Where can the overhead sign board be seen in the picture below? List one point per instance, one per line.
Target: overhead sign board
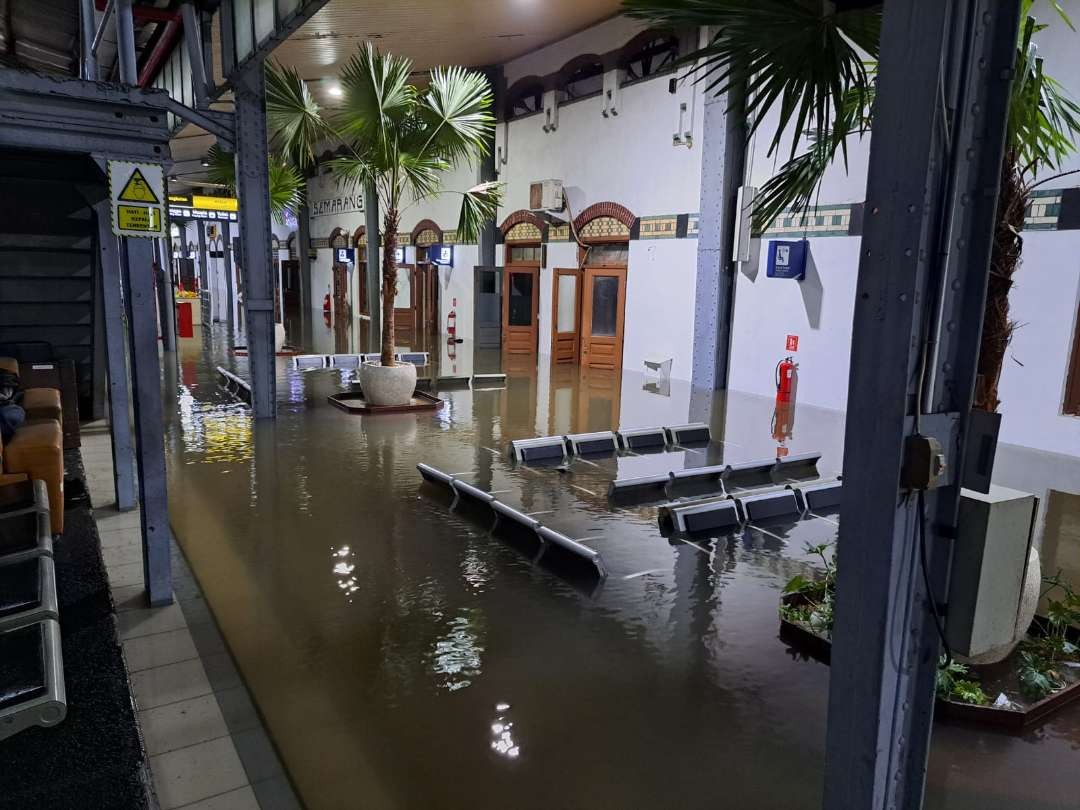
(136, 194)
(200, 206)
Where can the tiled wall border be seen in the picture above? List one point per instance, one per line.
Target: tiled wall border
(1050, 210)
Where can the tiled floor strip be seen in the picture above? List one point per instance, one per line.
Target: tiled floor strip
(208, 749)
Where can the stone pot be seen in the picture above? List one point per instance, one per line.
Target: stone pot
(388, 385)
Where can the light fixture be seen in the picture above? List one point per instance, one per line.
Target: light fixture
(205, 163)
(334, 89)
(173, 178)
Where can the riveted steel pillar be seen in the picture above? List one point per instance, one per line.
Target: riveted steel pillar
(230, 291)
(303, 256)
(935, 168)
(116, 359)
(149, 425)
(253, 189)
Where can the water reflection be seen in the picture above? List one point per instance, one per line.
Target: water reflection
(375, 628)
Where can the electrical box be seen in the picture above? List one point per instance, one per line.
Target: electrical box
(787, 259)
(546, 195)
(744, 210)
(990, 561)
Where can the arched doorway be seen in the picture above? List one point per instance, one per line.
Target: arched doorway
(523, 234)
(426, 279)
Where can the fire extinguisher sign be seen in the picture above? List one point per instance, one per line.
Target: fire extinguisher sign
(792, 343)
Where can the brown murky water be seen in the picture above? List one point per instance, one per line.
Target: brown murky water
(402, 658)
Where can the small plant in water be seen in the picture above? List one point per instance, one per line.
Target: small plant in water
(953, 685)
(815, 608)
(1041, 655)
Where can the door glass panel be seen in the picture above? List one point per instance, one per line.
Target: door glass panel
(521, 292)
(609, 254)
(605, 303)
(403, 299)
(264, 19)
(566, 317)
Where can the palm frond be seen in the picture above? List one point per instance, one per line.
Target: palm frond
(422, 174)
(222, 168)
(456, 111)
(478, 207)
(287, 185)
(801, 56)
(352, 171)
(293, 117)
(377, 99)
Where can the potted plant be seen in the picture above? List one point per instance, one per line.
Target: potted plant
(401, 139)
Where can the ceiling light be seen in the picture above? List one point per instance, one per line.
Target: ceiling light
(205, 163)
(334, 89)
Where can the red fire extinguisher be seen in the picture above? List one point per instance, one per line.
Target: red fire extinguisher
(451, 325)
(787, 380)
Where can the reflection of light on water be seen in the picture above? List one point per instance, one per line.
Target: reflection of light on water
(343, 571)
(219, 431)
(502, 733)
(457, 654)
(474, 570)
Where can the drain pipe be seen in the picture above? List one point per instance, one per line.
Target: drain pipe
(125, 43)
(86, 23)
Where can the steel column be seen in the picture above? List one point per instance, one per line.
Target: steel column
(166, 296)
(723, 163)
(254, 192)
(149, 425)
(374, 265)
(487, 173)
(226, 254)
(935, 169)
(125, 43)
(115, 353)
(303, 256)
(205, 291)
(86, 22)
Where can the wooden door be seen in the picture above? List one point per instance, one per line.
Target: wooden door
(428, 299)
(566, 315)
(603, 308)
(341, 293)
(521, 304)
(405, 301)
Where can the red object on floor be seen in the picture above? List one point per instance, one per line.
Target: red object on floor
(184, 326)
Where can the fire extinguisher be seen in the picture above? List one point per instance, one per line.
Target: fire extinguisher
(787, 380)
(451, 325)
(326, 305)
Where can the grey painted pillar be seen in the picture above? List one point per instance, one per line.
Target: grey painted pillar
(86, 24)
(723, 162)
(125, 43)
(487, 173)
(374, 265)
(253, 189)
(226, 253)
(165, 295)
(206, 292)
(924, 263)
(149, 425)
(116, 358)
(303, 239)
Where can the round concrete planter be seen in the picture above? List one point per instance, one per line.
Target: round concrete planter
(388, 385)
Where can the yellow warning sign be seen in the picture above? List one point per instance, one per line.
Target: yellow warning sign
(138, 218)
(136, 189)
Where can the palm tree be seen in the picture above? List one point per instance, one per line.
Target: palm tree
(397, 137)
(816, 67)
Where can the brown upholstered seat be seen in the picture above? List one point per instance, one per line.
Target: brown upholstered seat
(38, 451)
(41, 403)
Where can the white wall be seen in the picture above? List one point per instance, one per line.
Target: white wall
(598, 39)
(659, 304)
(1044, 304)
(819, 310)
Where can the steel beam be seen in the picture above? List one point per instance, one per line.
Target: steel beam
(99, 35)
(205, 291)
(166, 295)
(374, 265)
(487, 172)
(125, 43)
(116, 354)
(253, 189)
(230, 292)
(89, 57)
(303, 256)
(935, 167)
(149, 425)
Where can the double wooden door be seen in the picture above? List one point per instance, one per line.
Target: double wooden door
(588, 312)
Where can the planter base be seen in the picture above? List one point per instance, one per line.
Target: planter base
(354, 402)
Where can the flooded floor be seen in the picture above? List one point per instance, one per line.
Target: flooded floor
(403, 658)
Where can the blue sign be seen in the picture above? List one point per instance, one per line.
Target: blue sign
(345, 255)
(787, 260)
(441, 254)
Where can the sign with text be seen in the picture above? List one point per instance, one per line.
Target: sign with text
(787, 260)
(441, 254)
(202, 206)
(792, 343)
(136, 192)
(338, 204)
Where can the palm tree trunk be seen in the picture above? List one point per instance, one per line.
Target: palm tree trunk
(389, 272)
(1004, 262)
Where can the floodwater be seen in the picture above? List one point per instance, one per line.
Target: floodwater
(403, 658)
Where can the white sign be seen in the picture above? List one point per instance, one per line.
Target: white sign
(137, 192)
(339, 204)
